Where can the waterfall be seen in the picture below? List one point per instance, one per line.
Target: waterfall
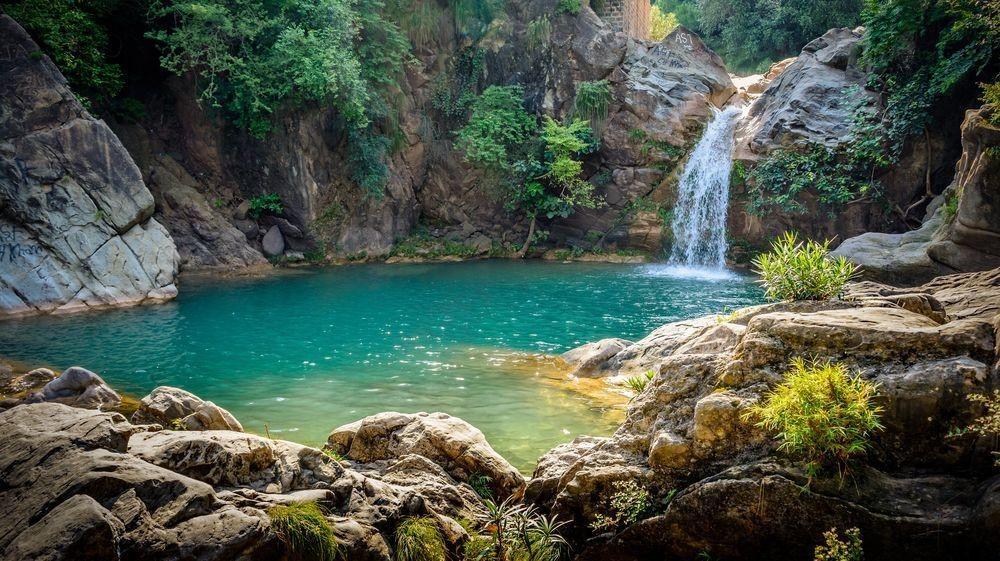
(699, 223)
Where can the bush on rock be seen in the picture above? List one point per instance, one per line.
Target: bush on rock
(797, 270)
(821, 413)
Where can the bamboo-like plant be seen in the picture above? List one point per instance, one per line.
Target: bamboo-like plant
(797, 270)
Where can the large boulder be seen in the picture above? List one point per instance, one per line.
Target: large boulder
(591, 360)
(961, 232)
(928, 349)
(234, 459)
(72, 493)
(170, 407)
(455, 445)
(806, 103)
(78, 387)
(75, 217)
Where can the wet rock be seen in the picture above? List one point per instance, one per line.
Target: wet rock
(455, 445)
(169, 406)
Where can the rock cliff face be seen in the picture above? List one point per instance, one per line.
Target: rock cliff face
(199, 170)
(76, 226)
(961, 231)
(737, 495)
(807, 102)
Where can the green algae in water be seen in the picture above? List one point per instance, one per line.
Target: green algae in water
(309, 350)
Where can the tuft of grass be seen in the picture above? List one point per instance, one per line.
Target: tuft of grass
(305, 531)
(795, 270)
(419, 539)
(820, 413)
(593, 100)
(480, 483)
(538, 33)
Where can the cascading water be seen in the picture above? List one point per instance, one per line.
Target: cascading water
(699, 223)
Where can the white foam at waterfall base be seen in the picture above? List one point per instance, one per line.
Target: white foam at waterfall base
(699, 223)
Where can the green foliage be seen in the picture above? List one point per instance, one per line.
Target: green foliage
(795, 270)
(254, 57)
(515, 532)
(73, 34)
(629, 504)
(593, 99)
(422, 245)
(951, 205)
(538, 33)
(837, 549)
(923, 52)
(480, 483)
(638, 383)
(991, 97)
(269, 203)
(751, 34)
(366, 157)
(661, 23)
(820, 413)
(988, 424)
(571, 7)
(419, 539)
(499, 125)
(333, 455)
(305, 531)
(455, 91)
(473, 17)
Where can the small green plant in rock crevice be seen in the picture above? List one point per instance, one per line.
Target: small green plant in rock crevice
(514, 532)
(571, 7)
(592, 102)
(836, 548)
(419, 539)
(795, 270)
(638, 383)
(305, 531)
(820, 413)
(269, 203)
(629, 504)
(987, 425)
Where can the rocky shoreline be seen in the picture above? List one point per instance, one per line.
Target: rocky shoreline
(179, 476)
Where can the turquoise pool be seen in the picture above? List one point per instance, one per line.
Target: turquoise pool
(307, 350)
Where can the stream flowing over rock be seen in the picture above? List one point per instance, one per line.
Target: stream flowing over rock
(76, 226)
(922, 493)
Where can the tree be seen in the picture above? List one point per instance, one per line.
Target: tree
(537, 172)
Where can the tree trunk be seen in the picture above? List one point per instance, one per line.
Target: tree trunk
(527, 242)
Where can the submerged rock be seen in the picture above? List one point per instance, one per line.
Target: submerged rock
(76, 230)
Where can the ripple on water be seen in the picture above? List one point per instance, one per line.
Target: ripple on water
(390, 337)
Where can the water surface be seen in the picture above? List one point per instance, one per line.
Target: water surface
(309, 350)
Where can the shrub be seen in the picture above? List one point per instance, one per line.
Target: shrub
(628, 505)
(419, 539)
(660, 23)
(269, 203)
(989, 423)
(305, 531)
(837, 549)
(516, 532)
(571, 7)
(499, 124)
(820, 413)
(795, 270)
(991, 96)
